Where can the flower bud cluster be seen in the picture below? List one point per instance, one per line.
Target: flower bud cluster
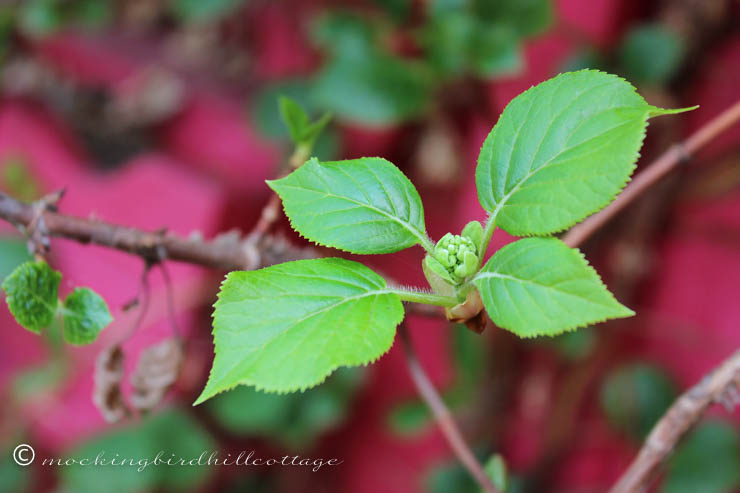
(458, 255)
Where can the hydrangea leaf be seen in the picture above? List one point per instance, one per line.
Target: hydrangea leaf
(561, 151)
(85, 314)
(540, 286)
(31, 293)
(287, 327)
(360, 205)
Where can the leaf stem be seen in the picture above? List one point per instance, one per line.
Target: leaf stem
(487, 234)
(427, 244)
(425, 298)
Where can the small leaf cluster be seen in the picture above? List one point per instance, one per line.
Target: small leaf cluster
(32, 295)
(559, 152)
(365, 80)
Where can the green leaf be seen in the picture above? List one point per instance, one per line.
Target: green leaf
(287, 327)
(203, 10)
(496, 51)
(344, 33)
(497, 472)
(651, 54)
(539, 286)
(360, 205)
(447, 41)
(295, 118)
(39, 18)
(32, 297)
(295, 420)
(561, 151)
(527, 17)
(13, 478)
(302, 131)
(373, 88)
(634, 397)
(707, 461)
(13, 252)
(398, 9)
(173, 433)
(85, 315)
(409, 418)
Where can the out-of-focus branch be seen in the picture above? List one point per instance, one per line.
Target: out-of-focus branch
(680, 418)
(228, 251)
(442, 416)
(674, 156)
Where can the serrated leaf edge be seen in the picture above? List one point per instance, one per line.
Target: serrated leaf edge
(571, 328)
(636, 156)
(422, 237)
(299, 388)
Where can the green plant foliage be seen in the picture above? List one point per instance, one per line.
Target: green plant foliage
(561, 151)
(457, 42)
(497, 472)
(539, 286)
(302, 131)
(13, 478)
(344, 34)
(18, 180)
(373, 89)
(361, 82)
(31, 293)
(453, 478)
(85, 315)
(341, 314)
(172, 432)
(528, 17)
(203, 10)
(575, 346)
(651, 54)
(361, 206)
(707, 461)
(398, 9)
(266, 115)
(13, 252)
(39, 18)
(635, 396)
(496, 51)
(32, 296)
(408, 418)
(295, 420)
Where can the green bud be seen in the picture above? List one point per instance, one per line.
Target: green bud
(458, 255)
(444, 258)
(474, 231)
(470, 262)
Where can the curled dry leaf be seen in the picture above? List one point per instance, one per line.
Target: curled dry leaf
(156, 371)
(108, 375)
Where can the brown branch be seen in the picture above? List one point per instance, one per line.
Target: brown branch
(679, 419)
(674, 156)
(227, 252)
(443, 416)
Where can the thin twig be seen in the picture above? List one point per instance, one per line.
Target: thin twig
(171, 311)
(224, 252)
(679, 419)
(442, 415)
(674, 156)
